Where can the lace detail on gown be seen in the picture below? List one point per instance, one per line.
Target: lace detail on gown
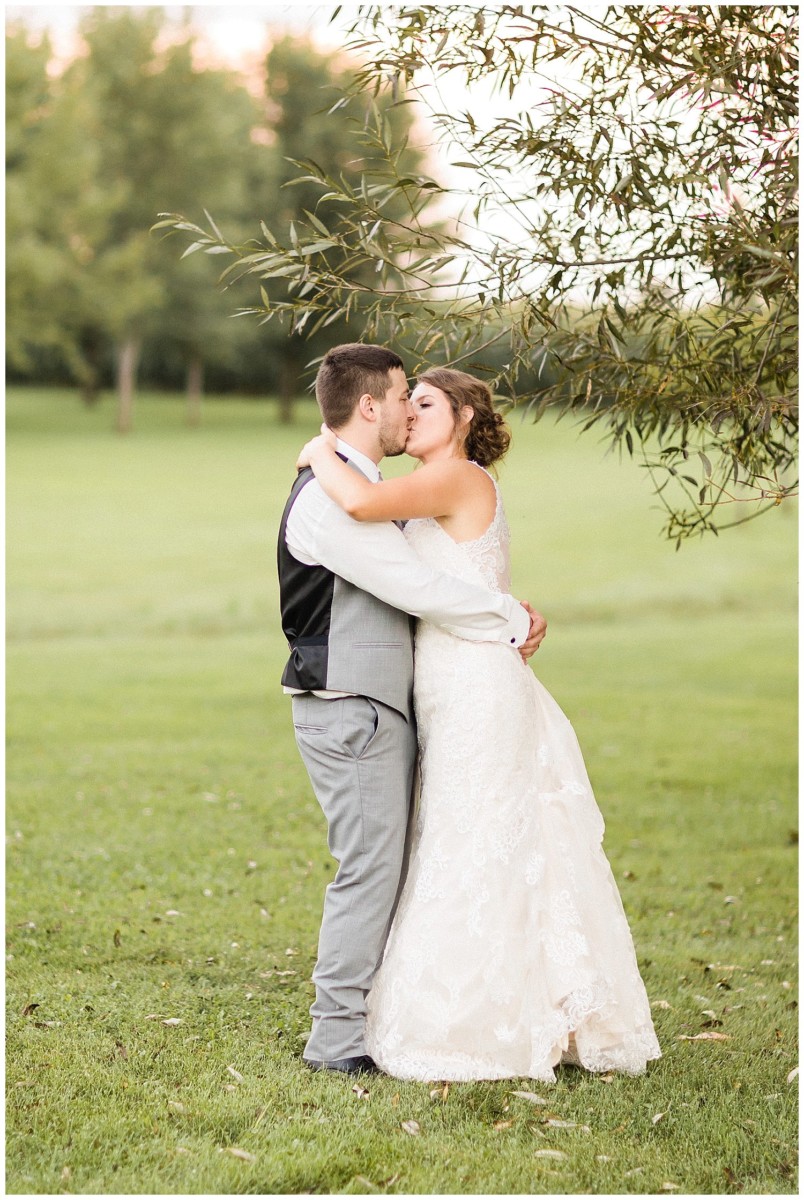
(510, 949)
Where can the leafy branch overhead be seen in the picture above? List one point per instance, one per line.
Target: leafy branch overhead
(609, 228)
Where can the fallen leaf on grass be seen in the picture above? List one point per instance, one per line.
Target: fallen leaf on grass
(634, 1171)
(549, 1154)
(65, 1174)
(244, 1155)
(376, 1187)
(502, 1124)
(440, 1093)
(667, 1186)
(607, 1078)
(660, 1004)
(235, 1074)
(602, 1158)
(731, 1178)
(361, 1092)
(555, 1123)
(120, 1050)
(47, 1024)
(411, 1127)
(29, 1008)
(531, 1097)
(117, 938)
(172, 1021)
(656, 1118)
(708, 1036)
(361, 1179)
(177, 1106)
(792, 1075)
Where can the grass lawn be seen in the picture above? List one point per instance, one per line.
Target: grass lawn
(166, 859)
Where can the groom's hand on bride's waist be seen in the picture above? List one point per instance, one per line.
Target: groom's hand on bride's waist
(538, 628)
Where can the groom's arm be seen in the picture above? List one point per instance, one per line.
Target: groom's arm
(377, 559)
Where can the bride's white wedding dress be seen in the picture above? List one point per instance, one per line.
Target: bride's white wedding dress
(510, 949)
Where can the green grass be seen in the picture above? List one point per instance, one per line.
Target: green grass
(167, 860)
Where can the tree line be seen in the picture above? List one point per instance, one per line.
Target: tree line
(133, 127)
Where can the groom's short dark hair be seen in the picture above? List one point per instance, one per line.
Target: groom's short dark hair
(348, 372)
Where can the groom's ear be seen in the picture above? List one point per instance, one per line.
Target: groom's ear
(367, 406)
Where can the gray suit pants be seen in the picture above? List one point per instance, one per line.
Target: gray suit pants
(360, 756)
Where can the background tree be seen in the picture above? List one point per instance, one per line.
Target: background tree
(643, 173)
(56, 212)
(314, 118)
(27, 94)
(164, 129)
(92, 156)
(208, 143)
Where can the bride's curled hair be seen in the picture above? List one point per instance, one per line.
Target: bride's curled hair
(488, 435)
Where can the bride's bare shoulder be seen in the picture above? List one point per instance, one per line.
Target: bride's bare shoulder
(458, 469)
(476, 476)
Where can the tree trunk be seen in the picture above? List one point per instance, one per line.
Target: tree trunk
(90, 392)
(127, 361)
(288, 382)
(195, 389)
(90, 368)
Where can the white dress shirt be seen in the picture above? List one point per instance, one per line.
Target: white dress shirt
(375, 556)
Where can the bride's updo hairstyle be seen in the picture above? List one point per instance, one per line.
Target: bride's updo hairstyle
(488, 437)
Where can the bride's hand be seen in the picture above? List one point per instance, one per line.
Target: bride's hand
(325, 438)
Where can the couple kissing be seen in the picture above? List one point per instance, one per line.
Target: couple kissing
(473, 929)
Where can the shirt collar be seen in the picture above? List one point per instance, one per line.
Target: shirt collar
(366, 465)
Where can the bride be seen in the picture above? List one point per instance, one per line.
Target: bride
(509, 951)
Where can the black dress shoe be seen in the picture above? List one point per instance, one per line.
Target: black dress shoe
(362, 1065)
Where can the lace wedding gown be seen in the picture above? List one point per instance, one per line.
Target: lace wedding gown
(510, 936)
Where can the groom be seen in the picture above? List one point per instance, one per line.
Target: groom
(346, 590)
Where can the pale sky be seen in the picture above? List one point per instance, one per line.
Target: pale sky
(235, 35)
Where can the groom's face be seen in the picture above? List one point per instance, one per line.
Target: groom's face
(396, 415)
